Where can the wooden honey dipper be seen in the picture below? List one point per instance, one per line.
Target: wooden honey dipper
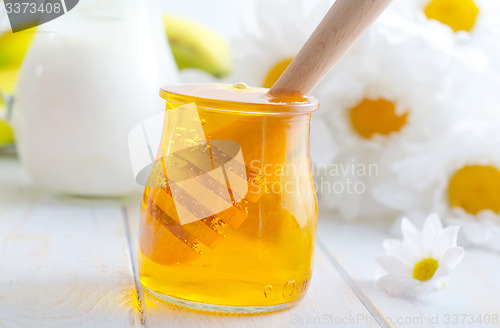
(342, 26)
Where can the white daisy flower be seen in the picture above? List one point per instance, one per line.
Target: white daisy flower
(467, 20)
(468, 16)
(422, 261)
(467, 31)
(458, 176)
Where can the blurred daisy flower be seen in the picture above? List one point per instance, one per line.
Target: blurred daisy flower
(473, 23)
(466, 19)
(272, 34)
(457, 176)
(402, 83)
(422, 261)
(382, 96)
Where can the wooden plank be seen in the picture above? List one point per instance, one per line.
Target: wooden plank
(329, 302)
(472, 298)
(64, 262)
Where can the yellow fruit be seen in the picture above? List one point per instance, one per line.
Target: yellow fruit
(13, 47)
(6, 135)
(8, 81)
(195, 46)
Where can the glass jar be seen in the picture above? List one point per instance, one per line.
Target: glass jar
(228, 216)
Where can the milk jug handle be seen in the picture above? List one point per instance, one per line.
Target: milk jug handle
(9, 102)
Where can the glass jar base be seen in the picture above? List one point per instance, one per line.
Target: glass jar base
(220, 309)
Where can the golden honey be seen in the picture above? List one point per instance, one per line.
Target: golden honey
(255, 255)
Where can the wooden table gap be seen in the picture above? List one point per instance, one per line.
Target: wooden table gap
(356, 289)
(132, 248)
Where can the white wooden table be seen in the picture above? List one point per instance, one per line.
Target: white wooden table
(70, 262)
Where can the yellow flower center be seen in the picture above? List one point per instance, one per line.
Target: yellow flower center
(475, 188)
(425, 269)
(460, 15)
(275, 72)
(376, 117)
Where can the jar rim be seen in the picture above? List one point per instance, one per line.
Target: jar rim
(246, 100)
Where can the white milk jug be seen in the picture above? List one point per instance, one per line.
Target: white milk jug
(89, 77)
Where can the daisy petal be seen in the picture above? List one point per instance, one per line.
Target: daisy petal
(432, 226)
(411, 235)
(425, 288)
(452, 257)
(446, 239)
(430, 231)
(441, 281)
(397, 286)
(442, 273)
(396, 248)
(386, 281)
(393, 265)
(440, 276)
